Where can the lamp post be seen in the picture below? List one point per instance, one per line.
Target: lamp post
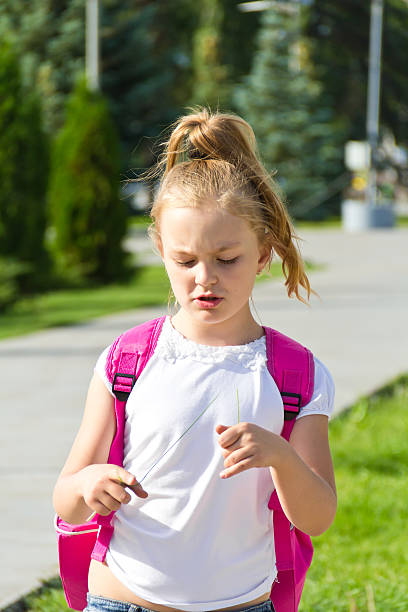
(92, 45)
(373, 96)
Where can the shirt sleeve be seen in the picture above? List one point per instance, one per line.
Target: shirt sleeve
(100, 369)
(322, 401)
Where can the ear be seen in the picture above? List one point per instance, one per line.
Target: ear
(264, 257)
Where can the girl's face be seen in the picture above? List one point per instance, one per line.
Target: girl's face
(211, 258)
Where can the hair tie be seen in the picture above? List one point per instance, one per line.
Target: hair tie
(196, 154)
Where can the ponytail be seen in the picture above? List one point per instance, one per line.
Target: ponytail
(214, 156)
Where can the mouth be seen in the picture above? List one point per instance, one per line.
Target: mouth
(208, 301)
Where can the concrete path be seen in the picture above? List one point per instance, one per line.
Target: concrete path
(358, 328)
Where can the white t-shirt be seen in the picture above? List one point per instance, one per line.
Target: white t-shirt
(199, 542)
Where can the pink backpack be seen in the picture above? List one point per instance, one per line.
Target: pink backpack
(292, 367)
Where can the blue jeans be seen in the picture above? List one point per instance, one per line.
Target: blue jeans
(103, 604)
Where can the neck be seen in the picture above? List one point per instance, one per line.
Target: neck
(225, 333)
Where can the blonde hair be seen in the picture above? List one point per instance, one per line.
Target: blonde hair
(213, 157)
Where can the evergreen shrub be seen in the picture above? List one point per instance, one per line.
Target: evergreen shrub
(23, 176)
(294, 124)
(88, 219)
(10, 273)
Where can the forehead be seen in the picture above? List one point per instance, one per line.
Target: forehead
(208, 229)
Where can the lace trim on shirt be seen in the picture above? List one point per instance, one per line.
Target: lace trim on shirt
(173, 346)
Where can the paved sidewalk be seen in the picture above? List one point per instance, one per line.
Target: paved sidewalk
(358, 328)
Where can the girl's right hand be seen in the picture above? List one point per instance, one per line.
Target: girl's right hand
(104, 487)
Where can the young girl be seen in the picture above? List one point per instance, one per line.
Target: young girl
(196, 534)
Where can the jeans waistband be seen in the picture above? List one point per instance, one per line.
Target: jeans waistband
(104, 604)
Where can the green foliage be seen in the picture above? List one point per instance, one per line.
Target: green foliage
(363, 553)
(49, 36)
(10, 272)
(23, 174)
(87, 215)
(210, 75)
(223, 43)
(238, 40)
(294, 125)
(144, 58)
(146, 51)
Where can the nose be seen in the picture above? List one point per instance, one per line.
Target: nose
(205, 275)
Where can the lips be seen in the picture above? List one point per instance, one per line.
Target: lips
(208, 301)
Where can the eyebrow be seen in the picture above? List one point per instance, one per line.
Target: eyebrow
(226, 247)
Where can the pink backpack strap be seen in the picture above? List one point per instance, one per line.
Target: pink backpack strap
(292, 367)
(126, 360)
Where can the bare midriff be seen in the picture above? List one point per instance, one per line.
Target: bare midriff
(102, 582)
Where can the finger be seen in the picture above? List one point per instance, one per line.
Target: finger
(98, 508)
(138, 490)
(236, 469)
(229, 436)
(232, 447)
(126, 479)
(118, 492)
(105, 504)
(237, 456)
(221, 428)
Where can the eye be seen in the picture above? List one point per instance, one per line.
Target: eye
(186, 264)
(228, 261)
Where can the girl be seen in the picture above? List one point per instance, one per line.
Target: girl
(196, 535)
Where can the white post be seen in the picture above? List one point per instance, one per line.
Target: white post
(373, 95)
(264, 5)
(92, 45)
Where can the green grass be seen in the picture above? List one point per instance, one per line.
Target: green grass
(49, 598)
(335, 223)
(402, 221)
(331, 222)
(364, 555)
(361, 563)
(148, 287)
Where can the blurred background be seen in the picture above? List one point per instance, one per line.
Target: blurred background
(298, 71)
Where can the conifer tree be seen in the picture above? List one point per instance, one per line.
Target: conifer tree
(136, 77)
(23, 175)
(86, 211)
(281, 100)
(210, 74)
(49, 36)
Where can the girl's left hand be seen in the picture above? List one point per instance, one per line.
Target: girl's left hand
(247, 445)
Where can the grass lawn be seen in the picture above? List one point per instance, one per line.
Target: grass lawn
(148, 287)
(335, 223)
(360, 563)
(331, 222)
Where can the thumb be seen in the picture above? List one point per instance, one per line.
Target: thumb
(124, 477)
(138, 489)
(221, 428)
(129, 480)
